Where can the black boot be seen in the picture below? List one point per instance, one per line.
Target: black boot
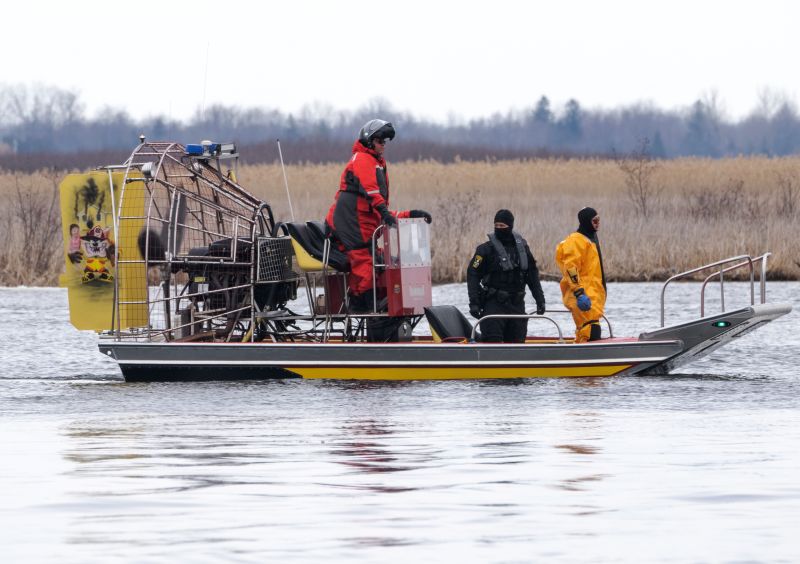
(362, 303)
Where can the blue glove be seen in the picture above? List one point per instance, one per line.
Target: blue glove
(584, 303)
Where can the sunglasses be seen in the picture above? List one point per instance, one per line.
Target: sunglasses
(379, 141)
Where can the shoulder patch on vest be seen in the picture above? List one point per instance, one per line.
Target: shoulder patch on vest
(476, 262)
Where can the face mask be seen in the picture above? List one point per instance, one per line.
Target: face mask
(503, 234)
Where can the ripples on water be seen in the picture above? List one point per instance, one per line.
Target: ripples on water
(699, 466)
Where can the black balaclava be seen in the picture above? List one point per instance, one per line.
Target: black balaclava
(504, 216)
(586, 228)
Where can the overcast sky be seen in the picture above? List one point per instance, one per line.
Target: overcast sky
(437, 59)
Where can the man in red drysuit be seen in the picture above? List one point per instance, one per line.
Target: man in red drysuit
(361, 204)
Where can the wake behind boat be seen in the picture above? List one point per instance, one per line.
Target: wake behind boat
(188, 276)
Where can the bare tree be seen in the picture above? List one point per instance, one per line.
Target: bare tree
(39, 224)
(41, 105)
(769, 101)
(639, 167)
(789, 194)
(714, 105)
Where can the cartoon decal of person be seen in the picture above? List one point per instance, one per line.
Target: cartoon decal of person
(74, 238)
(74, 252)
(98, 250)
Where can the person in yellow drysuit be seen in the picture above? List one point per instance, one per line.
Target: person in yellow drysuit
(584, 282)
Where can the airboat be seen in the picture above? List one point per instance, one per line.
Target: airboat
(186, 275)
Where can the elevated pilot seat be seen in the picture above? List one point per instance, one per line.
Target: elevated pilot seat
(448, 324)
(308, 242)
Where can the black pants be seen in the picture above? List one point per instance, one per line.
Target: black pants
(504, 330)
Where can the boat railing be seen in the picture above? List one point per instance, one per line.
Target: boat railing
(517, 316)
(375, 265)
(603, 317)
(723, 266)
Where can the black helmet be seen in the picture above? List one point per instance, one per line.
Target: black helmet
(375, 129)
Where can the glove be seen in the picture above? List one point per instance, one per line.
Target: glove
(475, 311)
(540, 308)
(420, 213)
(584, 303)
(387, 217)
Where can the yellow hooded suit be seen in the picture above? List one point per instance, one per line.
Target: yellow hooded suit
(581, 267)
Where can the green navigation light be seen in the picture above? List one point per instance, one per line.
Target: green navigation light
(721, 324)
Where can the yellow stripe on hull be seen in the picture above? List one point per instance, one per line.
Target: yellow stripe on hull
(455, 373)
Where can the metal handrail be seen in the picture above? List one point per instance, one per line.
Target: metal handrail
(608, 323)
(762, 282)
(374, 267)
(326, 257)
(517, 316)
(743, 260)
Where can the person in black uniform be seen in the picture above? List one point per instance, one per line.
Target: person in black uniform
(496, 280)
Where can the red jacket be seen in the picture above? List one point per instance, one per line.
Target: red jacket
(363, 194)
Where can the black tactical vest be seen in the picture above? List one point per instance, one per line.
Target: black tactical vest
(505, 273)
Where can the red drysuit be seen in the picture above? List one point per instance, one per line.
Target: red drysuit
(360, 204)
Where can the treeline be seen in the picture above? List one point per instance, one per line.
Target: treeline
(49, 125)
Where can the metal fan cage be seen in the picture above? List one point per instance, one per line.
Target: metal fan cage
(195, 229)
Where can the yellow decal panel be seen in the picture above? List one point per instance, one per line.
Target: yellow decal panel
(87, 220)
(456, 373)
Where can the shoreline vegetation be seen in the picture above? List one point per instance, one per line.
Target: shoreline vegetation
(659, 217)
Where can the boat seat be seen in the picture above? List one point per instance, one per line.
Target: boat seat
(336, 258)
(308, 242)
(448, 324)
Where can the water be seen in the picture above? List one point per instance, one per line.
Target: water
(698, 466)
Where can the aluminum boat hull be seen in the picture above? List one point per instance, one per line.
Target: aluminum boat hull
(363, 361)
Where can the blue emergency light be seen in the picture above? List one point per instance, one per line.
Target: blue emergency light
(194, 150)
(207, 149)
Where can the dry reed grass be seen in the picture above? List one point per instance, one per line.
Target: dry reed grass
(706, 209)
(30, 229)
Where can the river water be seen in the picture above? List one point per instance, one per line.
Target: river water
(699, 466)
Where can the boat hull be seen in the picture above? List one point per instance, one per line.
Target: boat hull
(655, 352)
(147, 361)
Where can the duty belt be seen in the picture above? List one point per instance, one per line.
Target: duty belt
(502, 296)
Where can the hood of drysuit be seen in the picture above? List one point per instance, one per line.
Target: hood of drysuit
(359, 148)
(585, 226)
